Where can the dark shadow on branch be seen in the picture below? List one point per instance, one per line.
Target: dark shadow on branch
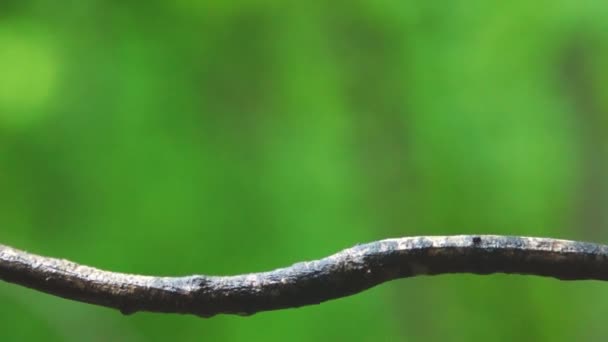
(345, 273)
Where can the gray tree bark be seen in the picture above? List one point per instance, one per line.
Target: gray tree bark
(345, 273)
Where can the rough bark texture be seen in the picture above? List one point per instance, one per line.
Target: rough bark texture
(345, 273)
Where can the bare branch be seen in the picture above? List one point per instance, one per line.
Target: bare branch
(345, 273)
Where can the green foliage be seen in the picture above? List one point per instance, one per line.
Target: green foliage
(180, 137)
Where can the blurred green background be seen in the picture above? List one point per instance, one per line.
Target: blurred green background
(222, 137)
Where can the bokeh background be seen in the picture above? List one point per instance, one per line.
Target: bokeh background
(221, 137)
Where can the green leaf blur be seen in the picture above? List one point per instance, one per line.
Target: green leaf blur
(182, 137)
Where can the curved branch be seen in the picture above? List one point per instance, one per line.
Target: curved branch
(345, 273)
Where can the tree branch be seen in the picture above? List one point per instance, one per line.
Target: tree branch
(345, 273)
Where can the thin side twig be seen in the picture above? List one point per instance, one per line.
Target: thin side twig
(342, 274)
